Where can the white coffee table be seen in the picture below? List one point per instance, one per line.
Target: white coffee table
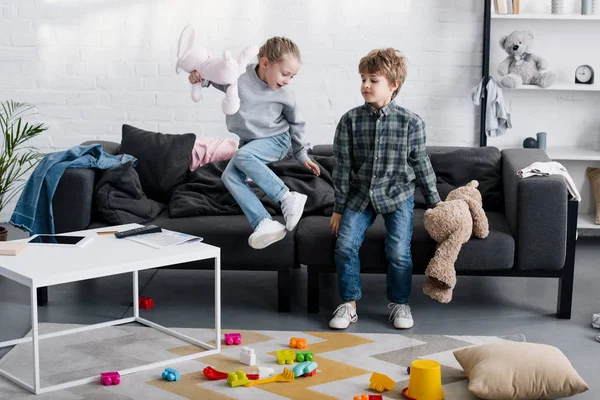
(104, 255)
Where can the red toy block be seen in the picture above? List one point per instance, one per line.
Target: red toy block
(368, 397)
(233, 338)
(110, 378)
(146, 302)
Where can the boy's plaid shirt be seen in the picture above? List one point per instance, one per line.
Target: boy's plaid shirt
(378, 155)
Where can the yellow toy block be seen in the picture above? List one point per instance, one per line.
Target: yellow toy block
(380, 382)
(237, 378)
(285, 356)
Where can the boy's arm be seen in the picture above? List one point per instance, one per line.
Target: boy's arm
(342, 151)
(419, 160)
(299, 143)
(207, 83)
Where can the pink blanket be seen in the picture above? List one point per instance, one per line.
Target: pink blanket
(207, 149)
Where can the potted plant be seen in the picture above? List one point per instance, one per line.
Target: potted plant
(16, 156)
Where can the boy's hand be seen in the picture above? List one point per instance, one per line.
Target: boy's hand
(334, 223)
(313, 167)
(194, 77)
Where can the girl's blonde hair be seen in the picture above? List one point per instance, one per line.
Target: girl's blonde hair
(387, 62)
(278, 47)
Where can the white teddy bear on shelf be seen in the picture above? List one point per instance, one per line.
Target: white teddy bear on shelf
(223, 71)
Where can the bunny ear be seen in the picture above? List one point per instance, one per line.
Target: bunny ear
(186, 42)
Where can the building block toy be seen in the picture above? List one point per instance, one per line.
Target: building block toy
(368, 397)
(247, 356)
(264, 372)
(305, 368)
(145, 302)
(380, 382)
(233, 338)
(302, 356)
(237, 378)
(297, 343)
(215, 375)
(170, 374)
(285, 356)
(110, 378)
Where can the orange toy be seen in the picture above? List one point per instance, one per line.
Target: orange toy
(297, 343)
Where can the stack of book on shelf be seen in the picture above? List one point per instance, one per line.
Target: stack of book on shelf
(507, 6)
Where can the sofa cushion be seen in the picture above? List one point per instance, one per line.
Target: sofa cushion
(163, 159)
(230, 233)
(315, 245)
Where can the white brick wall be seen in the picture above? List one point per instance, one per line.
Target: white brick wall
(91, 65)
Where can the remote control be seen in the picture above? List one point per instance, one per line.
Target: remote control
(138, 231)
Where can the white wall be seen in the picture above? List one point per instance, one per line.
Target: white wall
(92, 65)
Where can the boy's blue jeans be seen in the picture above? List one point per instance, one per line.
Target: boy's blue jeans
(250, 161)
(397, 249)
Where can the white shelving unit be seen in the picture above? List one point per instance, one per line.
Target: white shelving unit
(585, 221)
(562, 17)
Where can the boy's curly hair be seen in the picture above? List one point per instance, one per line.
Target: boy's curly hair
(387, 62)
(278, 47)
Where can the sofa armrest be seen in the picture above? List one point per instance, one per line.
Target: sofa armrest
(536, 208)
(72, 202)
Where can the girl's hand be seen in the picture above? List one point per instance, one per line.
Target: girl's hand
(194, 77)
(313, 167)
(334, 223)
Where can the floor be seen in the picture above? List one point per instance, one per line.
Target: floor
(481, 306)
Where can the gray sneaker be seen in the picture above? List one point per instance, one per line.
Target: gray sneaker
(401, 316)
(343, 316)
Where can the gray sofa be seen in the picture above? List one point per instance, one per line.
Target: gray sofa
(532, 226)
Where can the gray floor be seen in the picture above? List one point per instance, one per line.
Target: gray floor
(481, 306)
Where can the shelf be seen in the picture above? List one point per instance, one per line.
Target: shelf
(563, 17)
(573, 153)
(575, 87)
(587, 221)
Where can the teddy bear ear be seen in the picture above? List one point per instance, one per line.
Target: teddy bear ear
(503, 41)
(473, 183)
(529, 35)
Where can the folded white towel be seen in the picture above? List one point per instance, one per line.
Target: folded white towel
(550, 168)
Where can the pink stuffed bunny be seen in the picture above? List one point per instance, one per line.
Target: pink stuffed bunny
(223, 71)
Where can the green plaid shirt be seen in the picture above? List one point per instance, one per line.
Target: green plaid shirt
(378, 155)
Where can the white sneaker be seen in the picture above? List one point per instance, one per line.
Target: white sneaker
(266, 233)
(401, 315)
(343, 316)
(292, 208)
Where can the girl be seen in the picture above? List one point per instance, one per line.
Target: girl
(267, 123)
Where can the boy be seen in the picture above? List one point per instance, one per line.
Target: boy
(379, 150)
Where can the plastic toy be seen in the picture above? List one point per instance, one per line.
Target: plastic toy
(264, 372)
(233, 338)
(222, 70)
(110, 378)
(305, 368)
(304, 356)
(170, 374)
(425, 381)
(247, 356)
(237, 378)
(285, 356)
(380, 382)
(297, 343)
(215, 375)
(286, 376)
(368, 397)
(408, 370)
(146, 302)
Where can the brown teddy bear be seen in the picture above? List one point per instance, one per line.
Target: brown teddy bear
(451, 224)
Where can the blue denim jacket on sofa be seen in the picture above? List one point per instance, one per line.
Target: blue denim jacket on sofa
(34, 208)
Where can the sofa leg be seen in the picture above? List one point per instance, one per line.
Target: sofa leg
(42, 296)
(565, 283)
(284, 290)
(312, 298)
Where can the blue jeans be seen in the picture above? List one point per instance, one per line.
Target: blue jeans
(250, 161)
(397, 250)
